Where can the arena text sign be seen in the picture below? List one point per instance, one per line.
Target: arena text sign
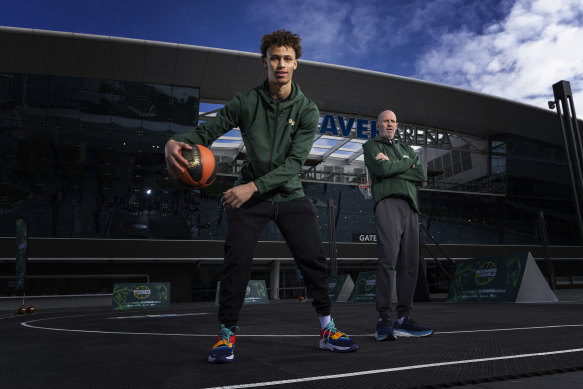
(365, 129)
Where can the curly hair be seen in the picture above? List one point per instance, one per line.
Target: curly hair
(281, 38)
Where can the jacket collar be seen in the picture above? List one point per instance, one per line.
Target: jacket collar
(384, 140)
(295, 94)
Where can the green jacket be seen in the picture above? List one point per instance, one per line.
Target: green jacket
(278, 136)
(394, 177)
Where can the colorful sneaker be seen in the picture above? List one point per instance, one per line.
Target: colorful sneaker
(411, 329)
(222, 351)
(334, 340)
(384, 330)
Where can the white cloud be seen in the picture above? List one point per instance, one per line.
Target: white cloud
(519, 58)
(332, 31)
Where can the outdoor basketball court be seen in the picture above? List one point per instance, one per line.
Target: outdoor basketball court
(278, 347)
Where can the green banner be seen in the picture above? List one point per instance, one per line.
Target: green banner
(21, 254)
(256, 292)
(335, 284)
(488, 279)
(141, 295)
(364, 287)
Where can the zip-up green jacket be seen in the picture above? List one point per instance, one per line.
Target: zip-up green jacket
(394, 177)
(278, 136)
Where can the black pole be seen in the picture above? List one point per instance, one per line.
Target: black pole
(545, 242)
(573, 145)
(332, 238)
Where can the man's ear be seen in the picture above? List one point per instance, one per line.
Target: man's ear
(265, 62)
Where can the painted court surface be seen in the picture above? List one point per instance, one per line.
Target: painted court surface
(474, 345)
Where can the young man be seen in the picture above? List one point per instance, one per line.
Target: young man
(278, 124)
(395, 169)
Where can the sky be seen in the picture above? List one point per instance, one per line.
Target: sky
(514, 49)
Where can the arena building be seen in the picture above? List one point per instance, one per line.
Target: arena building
(84, 120)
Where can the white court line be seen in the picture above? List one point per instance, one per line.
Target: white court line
(27, 324)
(510, 329)
(393, 369)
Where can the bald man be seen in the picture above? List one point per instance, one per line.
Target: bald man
(395, 171)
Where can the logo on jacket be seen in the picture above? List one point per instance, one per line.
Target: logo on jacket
(290, 121)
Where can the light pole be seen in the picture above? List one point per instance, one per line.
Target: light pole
(573, 146)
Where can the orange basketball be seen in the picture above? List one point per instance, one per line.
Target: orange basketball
(202, 167)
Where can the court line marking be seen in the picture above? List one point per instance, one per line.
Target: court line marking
(394, 369)
(28, 325)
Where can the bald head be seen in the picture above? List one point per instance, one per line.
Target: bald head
(387, 124)
(386, 112)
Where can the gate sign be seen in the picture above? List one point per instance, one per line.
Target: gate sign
(141, 295)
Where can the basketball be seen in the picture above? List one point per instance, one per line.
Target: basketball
(202, 167)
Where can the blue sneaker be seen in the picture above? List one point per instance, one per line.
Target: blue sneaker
(223, 349)
(411, 329)
(337, 341)
(384, 330)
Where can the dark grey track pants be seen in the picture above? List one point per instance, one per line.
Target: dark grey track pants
(398, 251)
(296, 219)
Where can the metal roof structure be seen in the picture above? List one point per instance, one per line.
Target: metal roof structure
(220, 74)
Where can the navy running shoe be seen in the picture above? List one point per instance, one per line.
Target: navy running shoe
(411, 329)
(223, 349)
(337, 341)
(384, 330)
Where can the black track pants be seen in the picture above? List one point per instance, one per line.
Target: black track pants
(297, 222)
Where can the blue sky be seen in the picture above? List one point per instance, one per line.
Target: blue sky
(514, 49)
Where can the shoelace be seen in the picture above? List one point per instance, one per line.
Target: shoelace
(384, 322)
(330, 330)
(408, 322)
(226, 333)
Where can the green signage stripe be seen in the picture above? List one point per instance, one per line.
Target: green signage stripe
(364, 287)
(21, 254)
(489, 279)
(141, 295)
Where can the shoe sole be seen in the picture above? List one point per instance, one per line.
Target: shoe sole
(387, 337)
(406, 334)
(336, 349)
(229, 359)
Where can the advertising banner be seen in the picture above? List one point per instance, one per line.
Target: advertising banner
(21, 254)
(502, 278)
(340, 287)
(256, 293)
(141, 295)
(364, 287)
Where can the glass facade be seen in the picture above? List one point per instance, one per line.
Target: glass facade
(85, 158)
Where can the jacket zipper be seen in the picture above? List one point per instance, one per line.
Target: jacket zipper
(399, 157)
(274, 133)
(271, 152)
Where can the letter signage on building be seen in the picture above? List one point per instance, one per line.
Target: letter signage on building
(412, 135)
(364, 238)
